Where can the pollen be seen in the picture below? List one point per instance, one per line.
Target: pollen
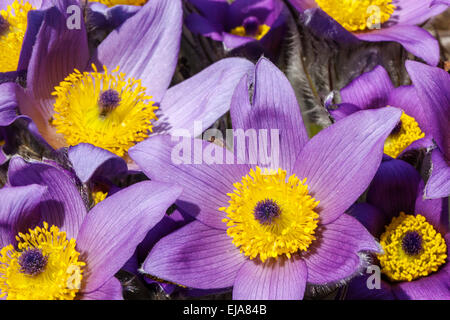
(270, 215)
(111, 3)
(99, 196)
(13, 25)
(43, 266)
(103, 109)
(252, 28)
(406, 132)
(412, 248)
(358, 15)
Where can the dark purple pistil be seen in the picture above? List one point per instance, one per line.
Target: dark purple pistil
(108, 101)
(397, 128)
(32, 262)
(251, 26)
(4, 25)
(412, 243)
(266, 210)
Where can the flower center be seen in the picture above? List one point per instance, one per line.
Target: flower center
(111, 3)
(266, 211)
(269, 215)
(251, 27)
(108, 101)
(412, 248)
(32, 262)
(404, 134)
(44, 266)
(103, 109)
(412, 243)
(358, 15)
(13, 25)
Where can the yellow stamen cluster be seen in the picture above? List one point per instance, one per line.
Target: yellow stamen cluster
(399, 265)
(263, 29)
(358, 15)
(99, 196)
(111, 3)
(12, 38)
(291, 231)
(61, 278)
(400, 140)
(79, 117)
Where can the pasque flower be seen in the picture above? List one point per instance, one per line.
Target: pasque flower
(20, 21)
(52, 248)
(353, 20)
(413, 232)
(238, 23)
(424, 121)
(120, 94)
(267, 231)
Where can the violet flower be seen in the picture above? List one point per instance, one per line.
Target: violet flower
(20, 21)
(374, 21)
(41, 199)
(96, 168)
(273, 234)
(238, 23)
(426, 110)
(109, 108)
(414, 234)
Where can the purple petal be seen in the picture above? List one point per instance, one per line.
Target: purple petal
(334, 255)
(232, 41)
(114, 227)
(17, 212)
(414, 39)
(394, 188)
(407, 99)
(433, 89)
(438, 185)
(323, 26)
(274, 107)
(267, 11)
(340, 161)
(110, 290)
(370, 217)
(89, 161)
(344, 110)
(205, 186)
(104, 17)
(437, 2)
(195, 256)
(434, 210)
(281, 279)
(214, 10)
(416, 12)
(35, 18)
(370, 90)
(200, 25)
(62, 204)
(433, 287)
(167, 225)
(151, 53)
(358, 290)
(56, 53)
(204, 97)
(8, 103)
